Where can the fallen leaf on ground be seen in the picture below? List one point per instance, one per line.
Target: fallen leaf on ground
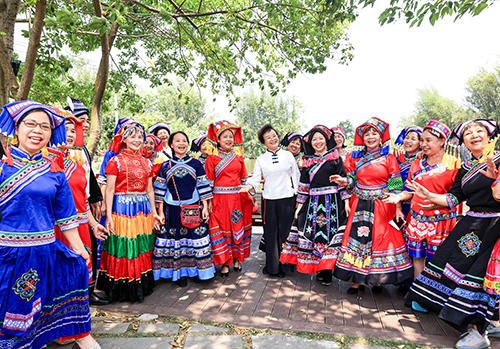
(271, 318)
(183, 298)
(290, 327)
(226, 294)
(303, 310)
(238, 330)
(184, 325)
(174, 344)
(401, 346)
(135, 327)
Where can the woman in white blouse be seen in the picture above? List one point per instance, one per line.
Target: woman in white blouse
(280, 173)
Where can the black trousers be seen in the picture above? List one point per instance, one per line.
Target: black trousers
(277, 221)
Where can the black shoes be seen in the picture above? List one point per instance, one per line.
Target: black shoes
(354, 290)
(182, 282)
(325, 276)
(281, 274)
(94, 299)
(237, 269)
(264, 271)
(226, 274)
(196, 280)
(377, 289)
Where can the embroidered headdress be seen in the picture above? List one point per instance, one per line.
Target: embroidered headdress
(326, 132)
(381, 127)
(196, 143)
(79, 140)
(12, 114)
(76, 107)
(215, 130)
(452, 156)
(438, 129)
(117, 143)
(157, 127)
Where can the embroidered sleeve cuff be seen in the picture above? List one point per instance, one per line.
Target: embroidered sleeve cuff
(344, 194)
(452, 200)
(102, 180)
(68, 223)
(301, 198)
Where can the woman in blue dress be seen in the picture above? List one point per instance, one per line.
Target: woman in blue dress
(180, 251)
(43, 283)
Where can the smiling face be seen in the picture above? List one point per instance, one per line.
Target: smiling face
(372, 139)
(203, 148)
(149, 145)
(271, 140)
(411, 143)
(180, 145)
(318, 143)
(135, 141)
(339, 139)
(163, 135)
(32, 140)
(84, 118)
(431, 145)
(226, 139)
(475, 138)
(70, 134)
(294, 146)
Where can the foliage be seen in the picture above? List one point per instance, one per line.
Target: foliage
(415, 11)
(483, 94)
(219, 44)
(254, 111)
(432, 105)
(181, 107)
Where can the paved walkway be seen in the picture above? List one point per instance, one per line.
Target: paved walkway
(297, 302)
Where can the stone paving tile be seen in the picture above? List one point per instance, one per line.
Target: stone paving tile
(135, 343)
(159, 328)
(200, 328)
(364, 346)
(213, 342)
(278, 342)
(110, 328)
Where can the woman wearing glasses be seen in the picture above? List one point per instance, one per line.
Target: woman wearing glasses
(39, 303)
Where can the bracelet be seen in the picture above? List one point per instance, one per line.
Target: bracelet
(95, 225)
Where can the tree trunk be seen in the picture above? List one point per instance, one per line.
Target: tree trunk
(34, 44)
(101, 81)
(8, 13)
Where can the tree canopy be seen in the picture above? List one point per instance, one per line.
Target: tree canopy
(254, 111)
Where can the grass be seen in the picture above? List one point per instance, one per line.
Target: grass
(244, 332)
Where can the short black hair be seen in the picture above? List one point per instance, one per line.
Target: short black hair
(265, 129)
(171, 138)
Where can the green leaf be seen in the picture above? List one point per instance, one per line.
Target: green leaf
(3, 33)
(479, 8)
(432, 19)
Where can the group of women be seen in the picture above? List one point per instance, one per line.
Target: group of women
(369, 217)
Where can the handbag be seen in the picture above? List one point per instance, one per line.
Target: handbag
(190, 214)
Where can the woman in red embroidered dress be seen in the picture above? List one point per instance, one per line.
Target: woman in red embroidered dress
(427, 229)
(126, 269)
(77, 179)
(373, 251)
(231, 218)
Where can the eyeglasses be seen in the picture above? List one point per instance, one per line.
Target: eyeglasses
(45, 126)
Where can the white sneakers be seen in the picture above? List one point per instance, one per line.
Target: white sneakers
(472, 339)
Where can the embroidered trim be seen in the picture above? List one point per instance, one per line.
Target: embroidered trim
(433, 218)
(20, 322)
(27, 239)
(226, 190)
(451, 200)
(483, 214)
